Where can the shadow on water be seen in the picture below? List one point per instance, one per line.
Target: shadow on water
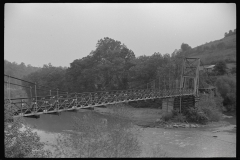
(64, 121)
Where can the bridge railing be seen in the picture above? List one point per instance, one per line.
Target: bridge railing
(68, 101)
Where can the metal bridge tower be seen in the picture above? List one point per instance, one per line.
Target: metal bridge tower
(190, 75)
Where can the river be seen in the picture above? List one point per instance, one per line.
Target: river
(213, 140)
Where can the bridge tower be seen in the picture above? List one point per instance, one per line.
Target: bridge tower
(190, 75)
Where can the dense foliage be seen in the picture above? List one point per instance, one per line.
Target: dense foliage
(227, 88)
(111, 66)
(105, 68)
(230, 33)
(220, 68)
(50, 78)
(20, 140)
(19, 71)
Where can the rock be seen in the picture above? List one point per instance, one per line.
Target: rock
(215, 136)
(182, 125)
(192, 125)
(158, 120)
(187, 125)
(215, 131)
(225, 116)
(175, 125)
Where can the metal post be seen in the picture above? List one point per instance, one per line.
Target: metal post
(21, 105)
(76, 99)
(159, 83)
(50, 93)
(167, 105)
(180, 107)
(168, 78)
(9, 90)
(36, 95)
(31, 91)
(164, 82)
(57, 100)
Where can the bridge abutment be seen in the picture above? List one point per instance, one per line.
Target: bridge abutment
(167, 105)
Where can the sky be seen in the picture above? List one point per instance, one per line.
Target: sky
(59, 33)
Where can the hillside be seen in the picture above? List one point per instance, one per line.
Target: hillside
(218, 50)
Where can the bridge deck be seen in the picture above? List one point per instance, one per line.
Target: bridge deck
(87, 100)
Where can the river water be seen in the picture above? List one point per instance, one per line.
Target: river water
(64, 121)
(193, 142)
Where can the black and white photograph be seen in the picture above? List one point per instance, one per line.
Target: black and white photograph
(119, 80)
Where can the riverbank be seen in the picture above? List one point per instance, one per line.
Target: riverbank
(151, 117)
(217, 139)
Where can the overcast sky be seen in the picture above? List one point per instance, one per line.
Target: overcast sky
(38, 33)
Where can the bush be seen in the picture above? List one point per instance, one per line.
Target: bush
(196, 115)
(211, 106)
(213, 115)
(22, 142)
(221, 45)
(220, 68)
(233, 70)
(226, 86)
(19, 139)
(179, 118)
(167, 116)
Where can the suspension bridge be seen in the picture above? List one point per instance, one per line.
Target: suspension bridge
(182, 94)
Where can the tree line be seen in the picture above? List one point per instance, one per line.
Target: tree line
(230, 33)
(19, 71)
(113, 66)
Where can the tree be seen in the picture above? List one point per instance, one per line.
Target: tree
(20, 140)
(105, 68)
(233, 70)
(221, 45)
(48, 76)
(220, 68)
(213, 47)
(206, 48)
(226, 86)
(225, 34)
(199, 49)
(185, 47)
